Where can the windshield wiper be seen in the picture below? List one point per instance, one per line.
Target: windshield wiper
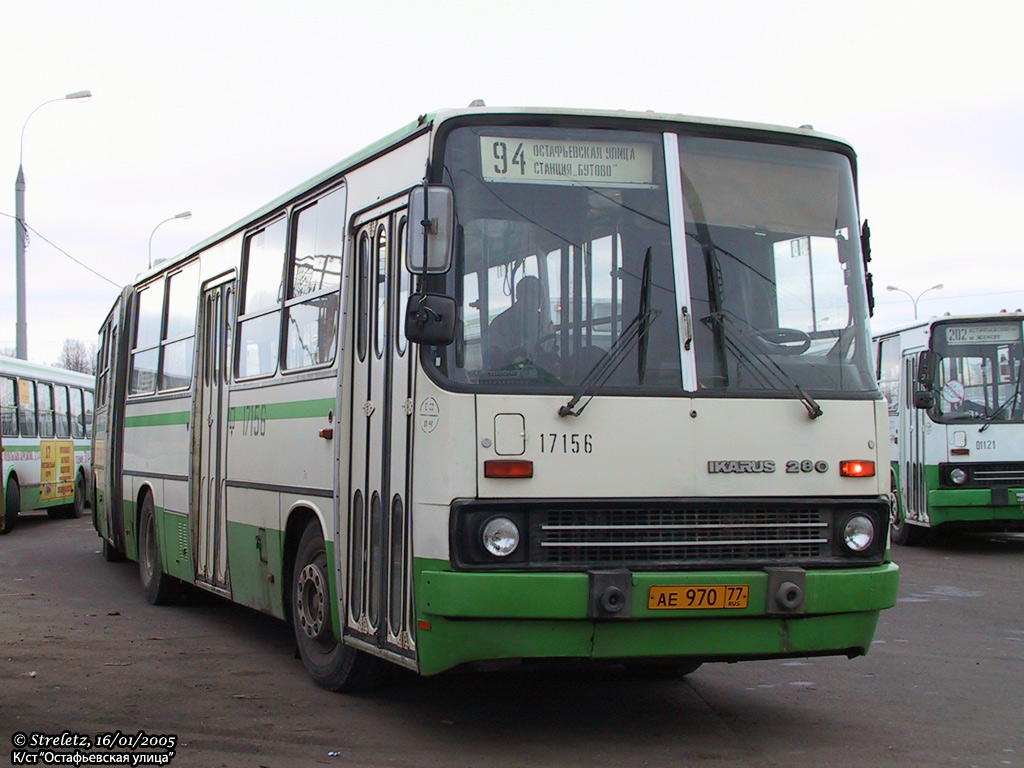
(645, 308)
(764, 368)
(990, 417)
(635, 333)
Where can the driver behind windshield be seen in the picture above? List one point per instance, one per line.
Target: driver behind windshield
(513, 335)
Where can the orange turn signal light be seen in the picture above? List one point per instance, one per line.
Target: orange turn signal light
(507, 468)
(856, 468)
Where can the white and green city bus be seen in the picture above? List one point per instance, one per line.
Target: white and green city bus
(517, 384)
(956, 424)
(46, 425)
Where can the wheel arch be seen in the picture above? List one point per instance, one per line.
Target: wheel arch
(11, 472)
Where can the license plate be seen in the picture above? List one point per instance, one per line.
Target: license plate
(691, 598)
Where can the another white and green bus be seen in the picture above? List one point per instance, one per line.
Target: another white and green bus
(956, 422)
(46, 425)
(517, 384)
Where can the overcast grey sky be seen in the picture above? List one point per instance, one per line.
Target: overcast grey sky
(218, 107)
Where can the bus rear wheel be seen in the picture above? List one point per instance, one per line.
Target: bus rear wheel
(158, 587)
(77, 508)
(332, 665)
(12, 506)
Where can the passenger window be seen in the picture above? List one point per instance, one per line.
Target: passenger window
(27, 408)
(315, 277)
(44, 407)
(146, 351)
(60, 411)
(260, 327)
(8, 408)
(179, 335)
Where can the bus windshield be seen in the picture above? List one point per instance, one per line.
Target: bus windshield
(978, 371)
(567, 263)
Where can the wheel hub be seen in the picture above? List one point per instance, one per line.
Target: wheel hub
(312, 601)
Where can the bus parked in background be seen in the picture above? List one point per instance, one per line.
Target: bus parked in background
(46, 421)
(956, 424)
(598, 386)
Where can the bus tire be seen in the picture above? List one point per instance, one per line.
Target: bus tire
(158, 587)
(12, 506)
(111, 553)
(77, 508)
(332, 665)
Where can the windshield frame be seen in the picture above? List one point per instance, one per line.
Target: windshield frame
(985, 392)
(669, 131)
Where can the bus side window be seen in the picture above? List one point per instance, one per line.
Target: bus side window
(311, 322)
(61, 411)
(180, 328)
(44, 407)
(889, 372)
(27, 407)
(89, 406)
(259, 327)
(77, 415)
(146, 352)
(8, 408)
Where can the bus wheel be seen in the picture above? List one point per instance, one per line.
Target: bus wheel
(157, 585)
(77, 508)
(111, 553)
(12, 504)
(332, 665)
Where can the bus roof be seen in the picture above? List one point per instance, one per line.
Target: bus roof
(13, 366)
(969, 318)
(429, 121)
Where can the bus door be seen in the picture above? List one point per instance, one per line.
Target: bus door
(379, 575)
(210, 417)
(911, 449)
(108, 438)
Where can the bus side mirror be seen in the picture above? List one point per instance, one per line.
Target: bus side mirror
(923, 395)
(430, 319)
(431, 219)
(926, 368)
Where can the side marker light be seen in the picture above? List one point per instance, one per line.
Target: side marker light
(856, 468)
(508, 468)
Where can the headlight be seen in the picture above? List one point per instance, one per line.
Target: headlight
(958, 476)
(500, 536)
(858, 533)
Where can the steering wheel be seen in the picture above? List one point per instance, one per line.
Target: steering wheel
(784, 341)
(546, 344)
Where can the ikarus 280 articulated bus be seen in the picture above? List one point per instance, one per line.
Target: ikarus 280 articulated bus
(517, 384)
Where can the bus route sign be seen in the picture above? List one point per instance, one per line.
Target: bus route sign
(570, 163)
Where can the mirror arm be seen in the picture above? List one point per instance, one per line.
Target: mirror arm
(426, 210)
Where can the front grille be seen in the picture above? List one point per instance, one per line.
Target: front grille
(998, 474)
(985, 475)
(674, 537)
(666, 534)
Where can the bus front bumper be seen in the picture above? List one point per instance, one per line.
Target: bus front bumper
(466, 617)
(1003, 508)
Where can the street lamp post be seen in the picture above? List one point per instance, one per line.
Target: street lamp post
(182, 215)
(20, 233)
(912, 297)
